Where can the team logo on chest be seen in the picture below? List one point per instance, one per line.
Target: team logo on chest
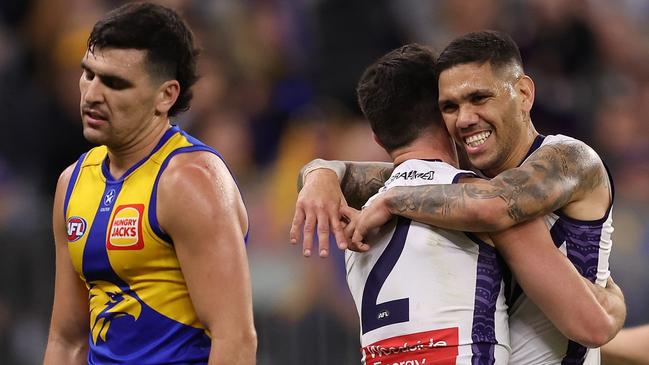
(109, 197)
(76, 227)
(125, 231)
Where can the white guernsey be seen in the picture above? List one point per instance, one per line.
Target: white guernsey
(428, 295)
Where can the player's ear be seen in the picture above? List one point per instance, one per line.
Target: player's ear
(525, 88)
(167, 95)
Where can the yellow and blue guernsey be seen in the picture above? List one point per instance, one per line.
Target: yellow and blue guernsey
(140, 309)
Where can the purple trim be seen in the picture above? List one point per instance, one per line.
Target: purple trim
(538, 141)
(165, 137)
(196, 141)
(153, 217)
(488, 281)
(95, 264)
(582, 242)
(575, 354)
(71, 183)
(460, 175)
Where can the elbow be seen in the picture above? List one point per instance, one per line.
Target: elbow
(594, 333)
(491, 216)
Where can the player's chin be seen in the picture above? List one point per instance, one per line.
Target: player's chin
(94, 136)
(481, 162)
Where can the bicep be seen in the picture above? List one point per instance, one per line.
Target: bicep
(201, 209)
(548, 180)
(549, 279)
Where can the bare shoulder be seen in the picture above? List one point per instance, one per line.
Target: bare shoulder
(198, 183)
(572, 160)
(65, 176)
(575, 164)
(192, 167)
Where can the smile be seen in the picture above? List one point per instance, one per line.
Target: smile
(477, 139)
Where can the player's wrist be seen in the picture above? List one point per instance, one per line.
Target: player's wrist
(324, 166)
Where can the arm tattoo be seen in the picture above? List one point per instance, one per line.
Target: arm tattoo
(362, 180)
(552, 177)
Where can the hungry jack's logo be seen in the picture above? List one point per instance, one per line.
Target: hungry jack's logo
(125, 231)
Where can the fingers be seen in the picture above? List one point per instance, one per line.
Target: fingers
(339, 234)
(323, 234)
(298, 221)
(309, 230)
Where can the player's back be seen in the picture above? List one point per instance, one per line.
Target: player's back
(428, 295)
(534, 339)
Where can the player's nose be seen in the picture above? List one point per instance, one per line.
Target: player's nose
(93, 92)
(467, 117)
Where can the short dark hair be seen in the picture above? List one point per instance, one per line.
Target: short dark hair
(162, 33)
(495, 47)
(398, 95)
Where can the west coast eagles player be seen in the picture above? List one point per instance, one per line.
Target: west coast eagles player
(149, 226)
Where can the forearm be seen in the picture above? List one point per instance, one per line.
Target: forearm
(59, 351)
(358, 180)
(239, 350)
(629, 347)
(463, 207)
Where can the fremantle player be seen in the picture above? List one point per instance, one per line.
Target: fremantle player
(485, 99)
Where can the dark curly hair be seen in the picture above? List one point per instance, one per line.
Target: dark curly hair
(398, 95)
(162, 33)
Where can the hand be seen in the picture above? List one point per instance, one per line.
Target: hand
(350, 219)
(371, 217)
(318, 205)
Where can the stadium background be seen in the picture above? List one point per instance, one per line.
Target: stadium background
(278, 90)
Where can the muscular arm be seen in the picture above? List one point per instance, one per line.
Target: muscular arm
(67, 342)
(554, 176)
(583, 312)
(629, 347)
(201, 209)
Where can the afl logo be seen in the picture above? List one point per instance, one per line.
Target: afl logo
(76, 228)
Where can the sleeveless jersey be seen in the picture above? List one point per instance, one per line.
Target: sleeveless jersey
(140, 309)
(534, 339)
(426, 295)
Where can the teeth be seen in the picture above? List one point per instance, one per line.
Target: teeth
(477, 139)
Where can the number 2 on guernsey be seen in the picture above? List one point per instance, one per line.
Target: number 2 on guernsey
(376, 315)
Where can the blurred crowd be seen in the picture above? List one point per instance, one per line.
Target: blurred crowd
(277, 90)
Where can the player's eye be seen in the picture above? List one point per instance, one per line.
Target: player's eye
(478, 99)
(115, 83)
(448, 108)
(87, 75)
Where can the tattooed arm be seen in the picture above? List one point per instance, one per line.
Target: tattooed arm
(321, 197)
(570, 177)
(358, 180)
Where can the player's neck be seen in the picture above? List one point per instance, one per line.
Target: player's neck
(122, 158)
(427, 149)
(518, 154)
